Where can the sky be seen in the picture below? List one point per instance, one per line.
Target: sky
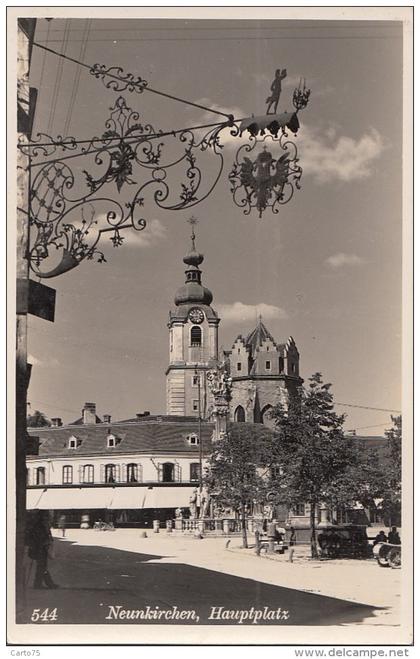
(326, 269)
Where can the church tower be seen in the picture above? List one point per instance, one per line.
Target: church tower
(193, 341)
(263, 373)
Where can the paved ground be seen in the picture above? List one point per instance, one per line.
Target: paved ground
(97, 571)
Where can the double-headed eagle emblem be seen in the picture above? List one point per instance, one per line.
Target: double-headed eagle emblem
(263, 178)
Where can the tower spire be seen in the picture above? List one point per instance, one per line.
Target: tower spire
(193, 221)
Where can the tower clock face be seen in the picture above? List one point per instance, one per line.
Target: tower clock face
(196, 316)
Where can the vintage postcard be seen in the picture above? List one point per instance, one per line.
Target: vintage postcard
(210, 229)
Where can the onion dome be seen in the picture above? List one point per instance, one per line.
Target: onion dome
(193, 292)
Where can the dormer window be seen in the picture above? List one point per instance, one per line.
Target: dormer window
(74, 442)
(111, 441)
(193, 439)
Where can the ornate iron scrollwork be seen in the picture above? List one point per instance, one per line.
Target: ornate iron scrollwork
(71, 205)
(120, 82)
(266, 181)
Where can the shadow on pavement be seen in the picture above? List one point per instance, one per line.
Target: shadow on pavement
(110, 577)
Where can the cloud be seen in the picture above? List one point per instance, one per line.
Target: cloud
(226, 138)
(239, 312)
(153, 233)
(331, 157)
(340, 260)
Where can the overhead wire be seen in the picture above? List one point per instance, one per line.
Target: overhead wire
(132, 82)
(76, 79)
(58, 77)
(366, 407)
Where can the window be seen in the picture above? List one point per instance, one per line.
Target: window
(87, 474)
(67, 474)
(40, 476)
(195, 335)
(73, 442)
(193, 439)
(110, 473)
(132, 473)
(240, 414)
(239, 351)
(195, 405)
(239, 366)
(268, 365)
(281, 364)
(195, 380)
(168, 472)
(299, 510)
(111, 441)
(194, 471)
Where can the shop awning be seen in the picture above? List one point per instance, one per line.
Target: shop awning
(115, 498)
(69, 499)
(128, 498)
(169, 497)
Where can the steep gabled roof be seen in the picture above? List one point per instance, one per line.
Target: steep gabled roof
(257, 337)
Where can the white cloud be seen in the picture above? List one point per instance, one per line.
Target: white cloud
(240, 312)
(340, 259)
(152, 234)
(330, 157)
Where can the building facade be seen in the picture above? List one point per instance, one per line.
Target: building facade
(263, 373)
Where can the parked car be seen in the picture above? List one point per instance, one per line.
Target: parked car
(346, 540)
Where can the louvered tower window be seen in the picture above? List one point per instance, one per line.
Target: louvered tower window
(196, 336)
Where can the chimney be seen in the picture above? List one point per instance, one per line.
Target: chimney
(89, 413)
(56, 422)
(107, 418)
(141, 415)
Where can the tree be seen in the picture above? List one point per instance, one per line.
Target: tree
(235, 474)
(38, 420)
(311, 449)
(391, 495)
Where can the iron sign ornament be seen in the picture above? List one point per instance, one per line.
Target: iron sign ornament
(268, 181)
(71, 206)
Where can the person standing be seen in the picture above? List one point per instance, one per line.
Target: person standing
(394, 536)
(39, 541)
(62, 525)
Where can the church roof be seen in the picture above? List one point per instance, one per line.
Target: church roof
(258, 335)
(193, 292)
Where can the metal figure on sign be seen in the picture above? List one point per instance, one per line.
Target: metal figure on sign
(275, 89)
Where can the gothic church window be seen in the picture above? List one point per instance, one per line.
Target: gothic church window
(195, 335)
(240, 414)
